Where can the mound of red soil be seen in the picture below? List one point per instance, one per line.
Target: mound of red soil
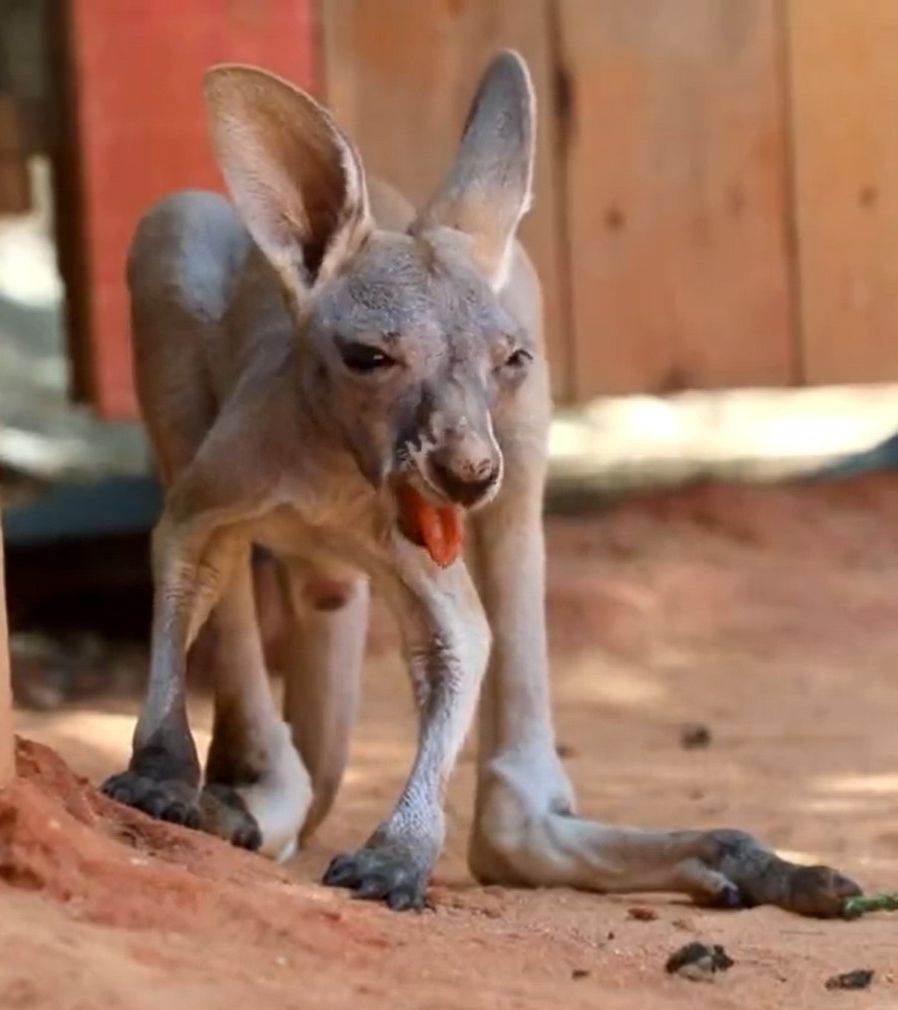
(58, 835)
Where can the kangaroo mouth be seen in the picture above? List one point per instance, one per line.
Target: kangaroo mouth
(438, 529)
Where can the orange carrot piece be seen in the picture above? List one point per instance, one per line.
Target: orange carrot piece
(440, 528)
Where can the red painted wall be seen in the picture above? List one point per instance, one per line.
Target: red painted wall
(137, 67)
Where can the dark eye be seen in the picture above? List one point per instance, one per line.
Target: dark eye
(365, 358)
(518, 358)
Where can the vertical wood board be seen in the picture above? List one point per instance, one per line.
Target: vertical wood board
(844, 64)
(677, 180)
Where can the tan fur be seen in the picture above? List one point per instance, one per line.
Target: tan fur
(269, 429)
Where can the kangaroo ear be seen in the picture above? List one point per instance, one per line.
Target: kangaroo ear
(488, 189)
(295, 178)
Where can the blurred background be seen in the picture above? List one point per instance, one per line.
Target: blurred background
(715, 226)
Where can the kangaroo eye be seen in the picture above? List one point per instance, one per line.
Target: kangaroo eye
(518, 358)
(365, 358)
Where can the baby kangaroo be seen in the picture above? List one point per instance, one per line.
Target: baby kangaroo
(348, 383)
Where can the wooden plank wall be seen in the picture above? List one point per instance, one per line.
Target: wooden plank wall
(677, 195)
(844, 89)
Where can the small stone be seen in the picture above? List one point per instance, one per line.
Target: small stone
(695, 736)
(697, 972)
(642, 914)
(579, 973)
(860, 978)
(699, 962)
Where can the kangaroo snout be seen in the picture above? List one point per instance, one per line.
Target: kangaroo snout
(467, 469)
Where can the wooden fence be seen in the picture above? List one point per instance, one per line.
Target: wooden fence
(717, 184)
(717, 197)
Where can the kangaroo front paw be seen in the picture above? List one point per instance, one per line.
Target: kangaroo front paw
(256, 797)
(381, 873)
(224, 814)
(761, 877)
(165, 799)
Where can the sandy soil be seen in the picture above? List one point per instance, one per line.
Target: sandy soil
(767, 614)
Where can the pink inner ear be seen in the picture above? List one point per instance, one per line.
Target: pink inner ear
(296, 179)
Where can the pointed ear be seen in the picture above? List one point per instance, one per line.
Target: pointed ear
(295, 178)
(488, 189)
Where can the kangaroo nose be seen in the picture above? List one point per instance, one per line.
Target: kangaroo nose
(464, 480)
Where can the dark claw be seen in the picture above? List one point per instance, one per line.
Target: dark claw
(730, 897)
(403, 899)
(115, 788)
(163, 800)
(247, 837)
(115, 792)
(377, 874)
(340, 873)
(224, 813)
(372, 888)
(159, 807)
(178, 813)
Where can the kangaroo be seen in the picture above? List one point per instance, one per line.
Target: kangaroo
(350, 384)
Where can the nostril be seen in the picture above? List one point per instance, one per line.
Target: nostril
(486, 471)
(464, 490)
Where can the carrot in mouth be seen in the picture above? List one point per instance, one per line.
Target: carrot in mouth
(437, 529)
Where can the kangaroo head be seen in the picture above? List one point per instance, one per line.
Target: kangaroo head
(403, 341)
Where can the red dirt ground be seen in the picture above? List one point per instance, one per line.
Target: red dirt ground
(767, 614)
